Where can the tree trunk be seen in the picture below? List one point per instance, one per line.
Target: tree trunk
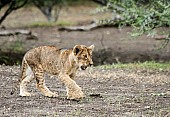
(51, 12)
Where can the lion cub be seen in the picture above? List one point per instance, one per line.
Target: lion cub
(61, 62)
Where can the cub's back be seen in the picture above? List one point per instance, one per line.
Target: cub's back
(42, 54)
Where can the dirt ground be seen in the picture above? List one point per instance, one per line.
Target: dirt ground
(109, 93)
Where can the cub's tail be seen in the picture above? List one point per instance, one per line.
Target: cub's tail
(23, 67)
(15, 87)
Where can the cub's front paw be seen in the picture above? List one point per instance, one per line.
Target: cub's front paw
(51, 94)
(24, 94)
(77, 94)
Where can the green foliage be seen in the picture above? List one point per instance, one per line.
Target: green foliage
(17, 46)
(4, 59)
(143, 15)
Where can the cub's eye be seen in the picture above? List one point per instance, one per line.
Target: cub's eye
(85, 57)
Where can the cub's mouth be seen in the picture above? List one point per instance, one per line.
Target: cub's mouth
(83, 67)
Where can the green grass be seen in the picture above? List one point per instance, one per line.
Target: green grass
(64, 23)
(50, 24)
(146, 65)
(80, 2)
(41, 24)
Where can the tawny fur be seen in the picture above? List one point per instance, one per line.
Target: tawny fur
(61, 62)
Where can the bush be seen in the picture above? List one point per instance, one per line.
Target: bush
(143, 15)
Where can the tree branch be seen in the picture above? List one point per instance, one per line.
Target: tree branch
(12, 6)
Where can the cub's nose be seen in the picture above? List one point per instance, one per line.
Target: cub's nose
(83, 67)
(91, 64)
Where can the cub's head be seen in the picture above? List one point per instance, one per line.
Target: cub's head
(83, 55)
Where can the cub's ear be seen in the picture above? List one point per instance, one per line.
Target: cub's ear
(77, 49)
(91, 47)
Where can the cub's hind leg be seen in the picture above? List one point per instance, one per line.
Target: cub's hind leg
(26, 77)
(39, 75)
